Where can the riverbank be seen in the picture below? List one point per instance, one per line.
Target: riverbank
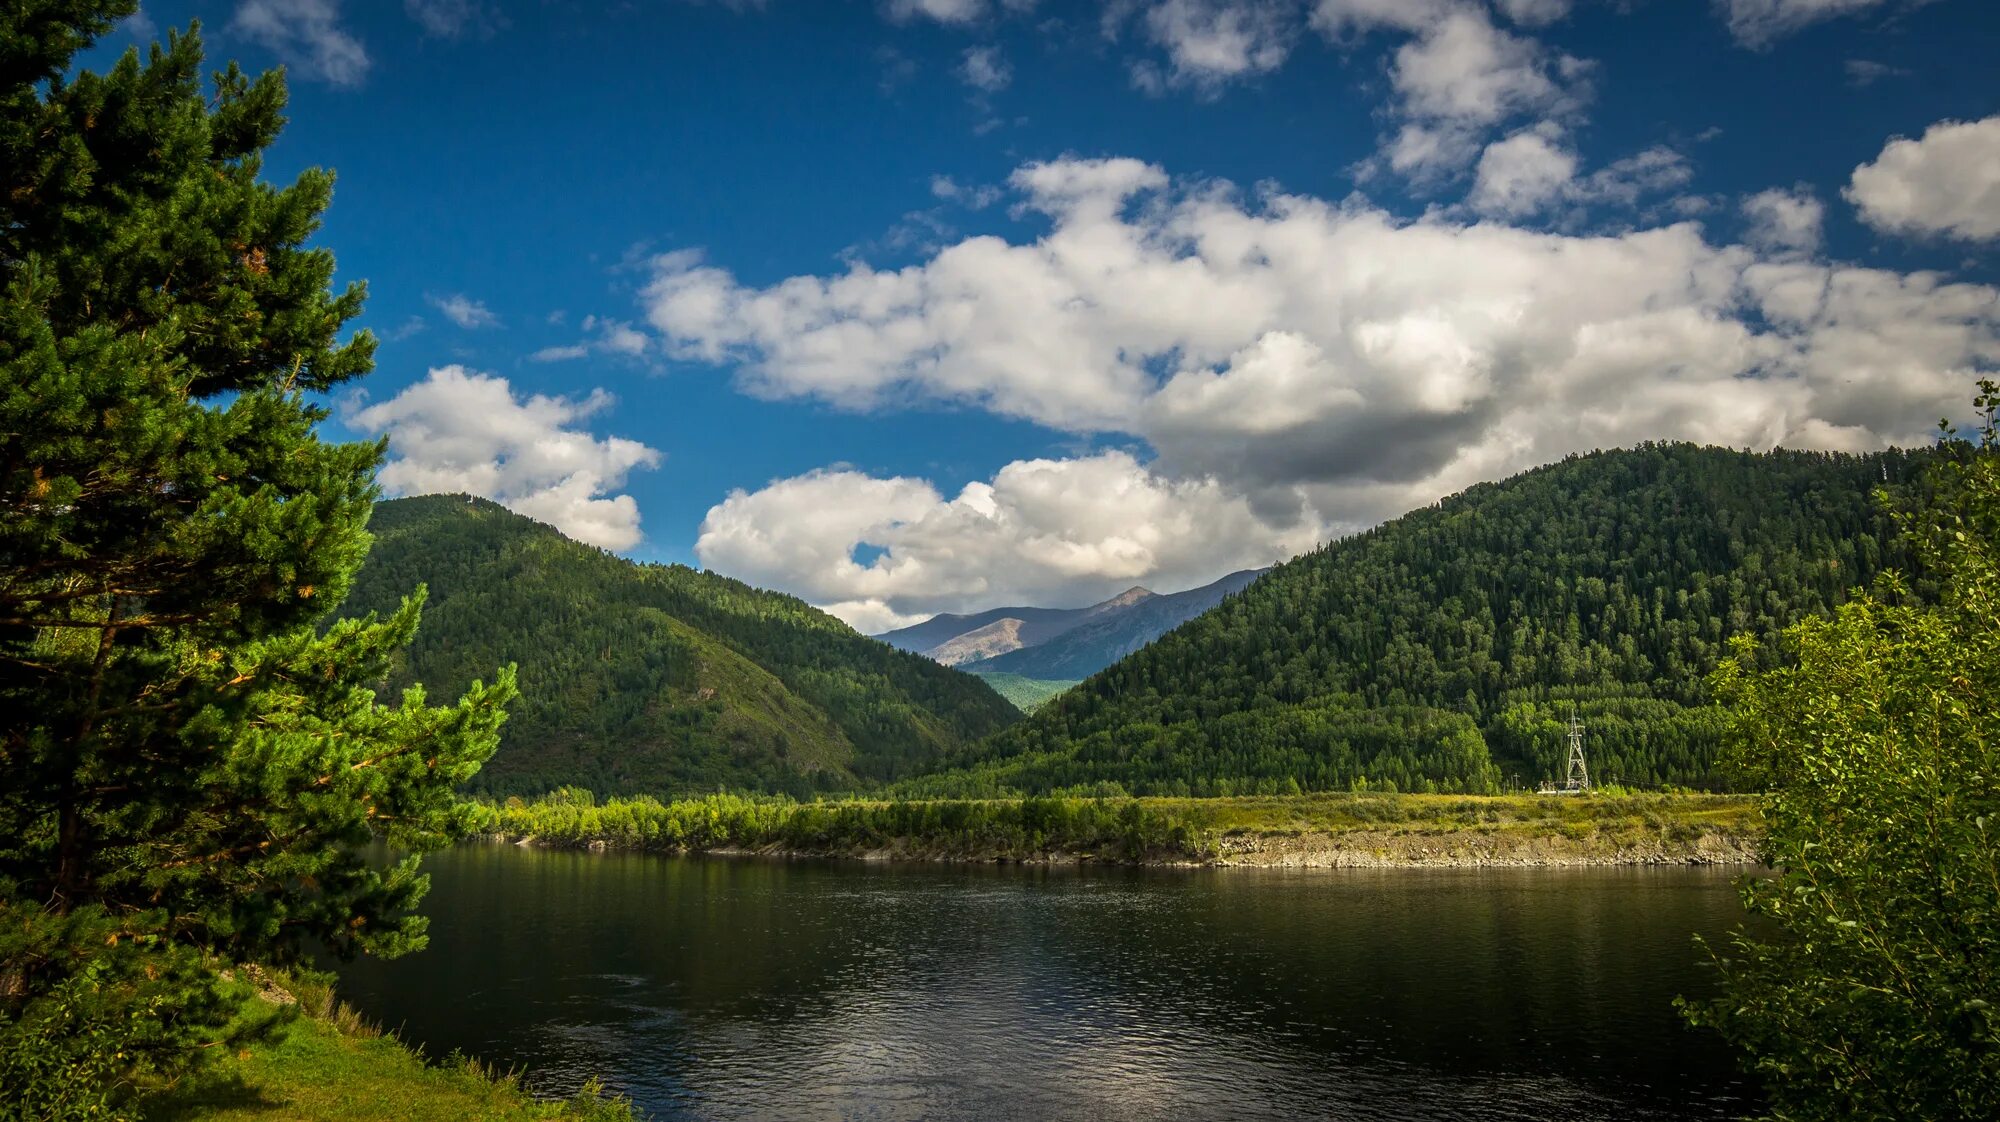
(329, 1065)
(1334, 830)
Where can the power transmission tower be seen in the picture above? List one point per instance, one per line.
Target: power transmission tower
(1578, 780)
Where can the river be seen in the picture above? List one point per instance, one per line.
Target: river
(750, 988)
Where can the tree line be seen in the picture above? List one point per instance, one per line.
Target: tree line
(1446, 649)
(656, 679)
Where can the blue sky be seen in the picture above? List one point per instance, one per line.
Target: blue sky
(926, 305)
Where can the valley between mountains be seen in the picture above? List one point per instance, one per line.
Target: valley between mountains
(1439, 652)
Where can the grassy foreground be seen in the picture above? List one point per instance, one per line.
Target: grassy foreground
(330, 1066)
(1323, 829)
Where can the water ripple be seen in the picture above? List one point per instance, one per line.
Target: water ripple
(766, 990)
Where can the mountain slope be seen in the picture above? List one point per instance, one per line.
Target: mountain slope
(1442, 649)
(1027, 694)
(998, 637)
(654, 678)
(1095, 643)
(1061, 644)
(1029, 626)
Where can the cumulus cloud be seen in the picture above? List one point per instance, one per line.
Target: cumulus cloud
(1211, 42)
(1945, 184)
(1523, 173)
(307, 35)
(618, 338)
(1627, 181)
(1459, 76)
(1464, 69)
(1785, 221)
(1041, 531)
(459, 430)
(1759, 23)
(1333, 364)
(1535, 172)
(464, 311)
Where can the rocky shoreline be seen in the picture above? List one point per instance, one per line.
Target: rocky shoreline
(1371, 849)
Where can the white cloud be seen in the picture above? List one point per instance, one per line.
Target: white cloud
(943, 11)
(1785, 221)
(612, 337)
(1211, 42)
(1533, 13)
(1336, 18)
(1946, 184)
(1523, 174)
(1332, 364)
(985, 69)
(461, 430)
(1759, 23)
(409, 328)
(1534, 171)
(621, 339)
(450, 19)
(1625, 182)
(307, 35)
(1464, 69)
(139, 26)
(465, 311)
(972, 197)
(1458, 77)
(1041, 531)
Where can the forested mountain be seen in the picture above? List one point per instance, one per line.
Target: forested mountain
(1443, 650)
(654, 678)
(1105, 637)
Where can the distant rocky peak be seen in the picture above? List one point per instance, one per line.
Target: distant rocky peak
(996, 638)
(1125, 599)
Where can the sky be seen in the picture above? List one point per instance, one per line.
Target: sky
(909, 306)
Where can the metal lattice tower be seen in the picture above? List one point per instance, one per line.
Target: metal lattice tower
(1578, 779)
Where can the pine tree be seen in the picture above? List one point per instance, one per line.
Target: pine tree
(189, 753)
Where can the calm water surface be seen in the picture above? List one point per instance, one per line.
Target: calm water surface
(730, 988)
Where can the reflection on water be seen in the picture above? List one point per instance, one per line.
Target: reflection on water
(762, 989)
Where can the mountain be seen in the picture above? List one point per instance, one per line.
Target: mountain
(998, 637)
(1057, 646)
(1443, 650)
(954, 638)
(654, 679)
(1096, 642)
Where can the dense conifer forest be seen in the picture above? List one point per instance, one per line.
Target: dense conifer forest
(654, 678)
(1444, 649)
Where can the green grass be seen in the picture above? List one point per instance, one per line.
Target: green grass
(1027, 694)
(1121, 829)
(330, 1066)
